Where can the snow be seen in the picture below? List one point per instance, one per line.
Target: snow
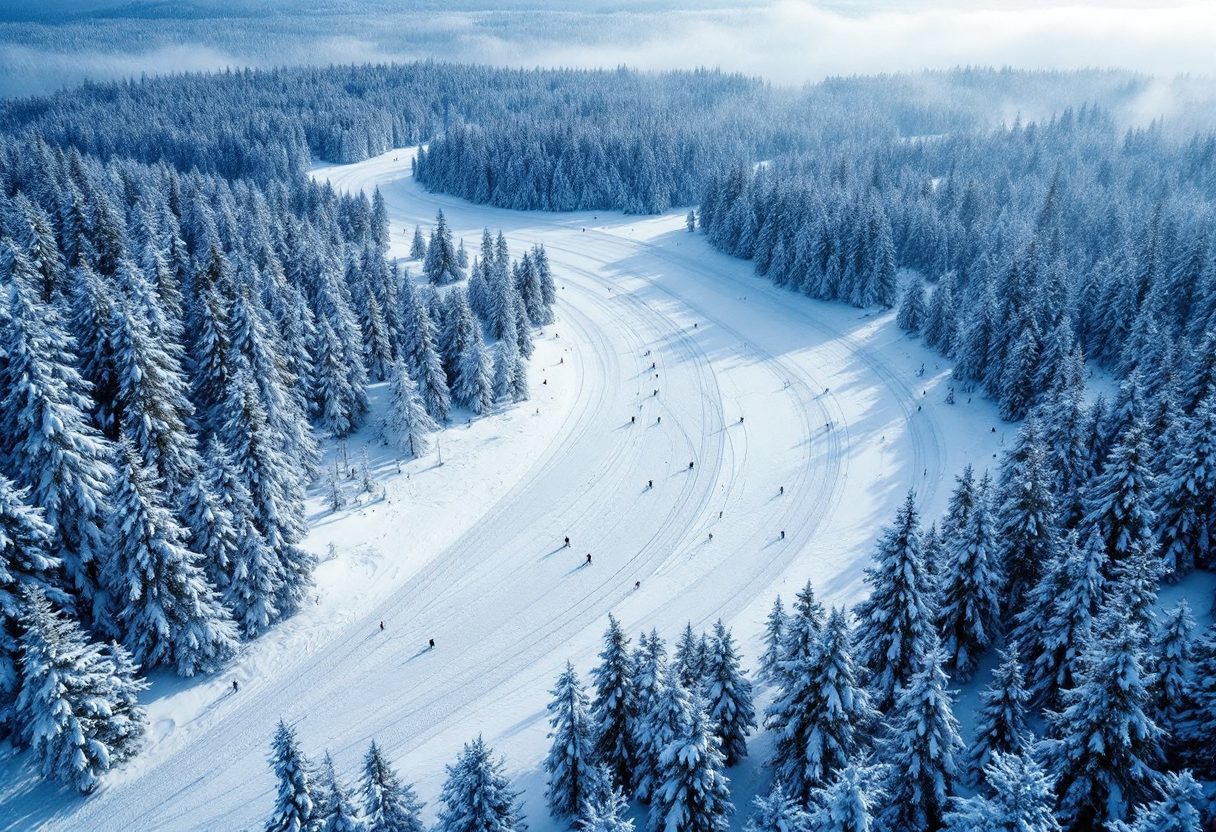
(469, 552)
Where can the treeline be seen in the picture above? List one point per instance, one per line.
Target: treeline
(170, 341)
(1033, 240)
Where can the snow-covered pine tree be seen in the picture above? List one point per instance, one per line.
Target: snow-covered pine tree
(47, 443)
(77, 706)
(895, 625)
(688, 660)
(1119, 499)
(803, 626)
(650, 663)
(406, 422)
(294, 806)
(548, 290)
(728, 695)
(476, 796)
(920, 746)
(693, 794)
(690, 221)
(1000, 725)
(1027, 534)
(931, 552)
(418, 244)
(166, 611)
(605, 812)
(421, 356)
(1178, 810)
(276, 497)
(1185, 500)
(388, 804)
(455, 329)
(846, 804)
(25, 564)
(1169, 665)
(1021, 799)
(527, 285)
(821, 714)
(473, 382)
(1103, 749)
(778, 812)
(571, 765)
(968, 619)
(1197, 723)
(1134, 584)
(614, 707)
(774, 639)
(1016, 392)
(440, 264)
(1057, 624)
(340, 814)
(210, 525)
(913, 306)
(508, 367)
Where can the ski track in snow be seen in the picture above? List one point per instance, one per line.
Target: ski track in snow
(833, 412)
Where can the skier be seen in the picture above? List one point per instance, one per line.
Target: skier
(740, 420)
(588, 558)
(711, 537)
(782, 490)
(652, 365)
(656, 392)
(567, 541)
(235, 686)
(432, 647)
(690, 466)
(659, 421)
(633, 420)
(637, 584)
(650, 483)
(382, 626)
(783, 534)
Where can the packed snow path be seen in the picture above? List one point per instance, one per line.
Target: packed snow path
(835, 412)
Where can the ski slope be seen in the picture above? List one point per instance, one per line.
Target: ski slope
(468, 551)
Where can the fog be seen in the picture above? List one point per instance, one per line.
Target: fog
(786, 41)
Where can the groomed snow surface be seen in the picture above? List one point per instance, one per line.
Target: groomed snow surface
(468, 550)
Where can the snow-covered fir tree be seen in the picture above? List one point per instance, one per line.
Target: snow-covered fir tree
(477, 796)
(571, 764)
(1197, 723)
(1119, 499)
(821, 714)
(607, 811)
(1056, 627)
(474, 378)
(441, 264)
(406, 422)
(1185, 501)
(913, 306)
(1103, 748)
(688, 659)
(388, 804)
(846, 804)
(968, 618)
(1170, 665)
(294, 809)
(1027, 534)
(665, 720)
(165, 610)
(418, 244)
(25, 564)
(778, 812)
(613, 709)
(1178, 810)
(920, 746)
(895, 624)
(510, 372)
(728, 695)
(803, 627)
(693, 794)
(774, 639)
(78, 705)
(1000, 725)
(341, 814)
(1020, 798)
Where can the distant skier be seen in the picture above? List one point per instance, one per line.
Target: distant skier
(235, 686)
(381, 626)
(637, 584)
(690, 466)
(567, 541)
(781, 490)
(740, 420)
(656, 392)
(711, 537)
(652, 363)
(588, 558)
(633, 420)
(432, 647)
(659, 421)
(650, 483)
(783, 534)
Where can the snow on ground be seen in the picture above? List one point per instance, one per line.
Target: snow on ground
(469, 552)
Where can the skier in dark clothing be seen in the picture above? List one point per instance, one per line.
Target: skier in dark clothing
(588, 557)
(382, 626)
(235, 686)
(690, 466)
(432, 644)
(567, 541)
